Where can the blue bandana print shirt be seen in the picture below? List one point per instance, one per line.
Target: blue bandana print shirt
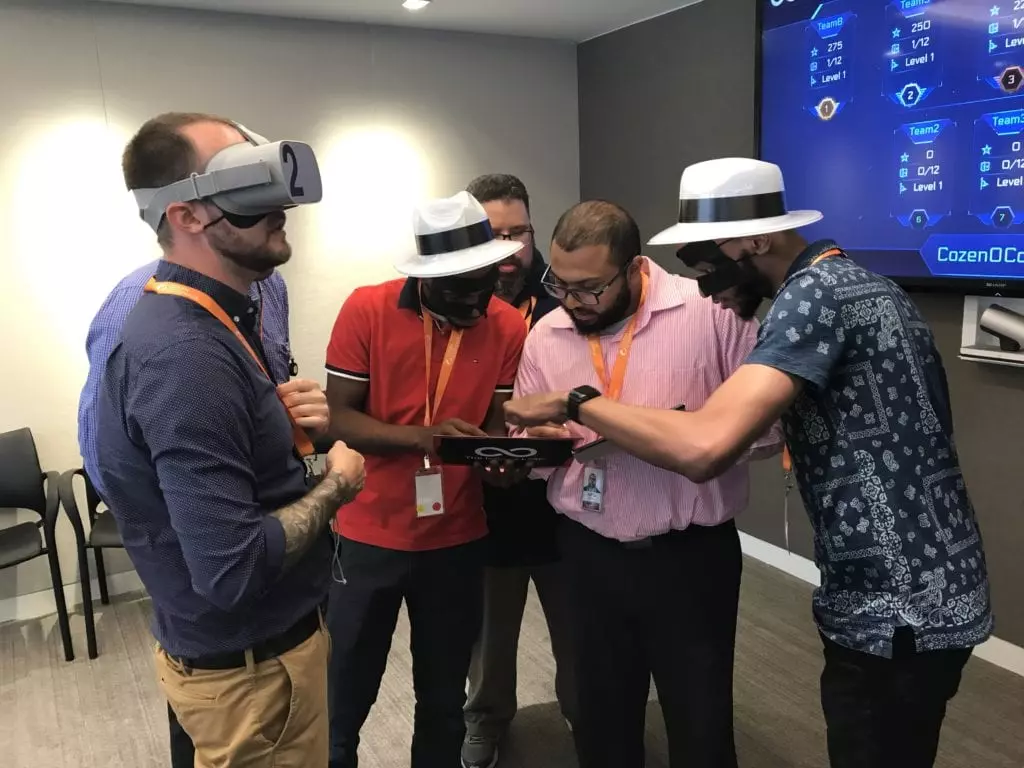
(871, 437)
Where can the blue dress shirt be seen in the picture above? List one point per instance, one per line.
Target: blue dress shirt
(871, 435)
(105, 330)
(197, 453)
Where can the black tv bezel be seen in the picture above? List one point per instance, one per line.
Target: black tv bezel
(963, 286)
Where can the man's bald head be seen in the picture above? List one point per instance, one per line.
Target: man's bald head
(170, 147)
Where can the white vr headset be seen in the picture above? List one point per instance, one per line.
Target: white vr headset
(245, 181)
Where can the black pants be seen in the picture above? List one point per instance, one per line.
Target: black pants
(443, 591)
(183, 753)
(667, 609)
(887, 713)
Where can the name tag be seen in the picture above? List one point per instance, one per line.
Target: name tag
(429, 492)
(592, 495)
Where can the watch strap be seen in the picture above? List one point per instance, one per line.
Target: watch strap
(577, 397)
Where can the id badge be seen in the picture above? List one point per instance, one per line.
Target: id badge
(592, 495)
(429, 491)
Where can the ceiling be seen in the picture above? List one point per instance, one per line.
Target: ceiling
(574, 20)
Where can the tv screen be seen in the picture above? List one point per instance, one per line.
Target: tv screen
(903, 122)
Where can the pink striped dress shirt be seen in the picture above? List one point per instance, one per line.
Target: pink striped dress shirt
(684, 347)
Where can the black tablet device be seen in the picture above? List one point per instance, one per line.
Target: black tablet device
(541, 452)
(598, 449)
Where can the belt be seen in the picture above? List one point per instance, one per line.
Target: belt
(271, 648)
(645, 543)
(677, 533)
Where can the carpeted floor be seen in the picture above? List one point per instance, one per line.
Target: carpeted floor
(107, 713)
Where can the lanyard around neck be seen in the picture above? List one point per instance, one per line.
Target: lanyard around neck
(302, 442)
(613, 384)
(447, 364)
(826, 255)
(526, 310)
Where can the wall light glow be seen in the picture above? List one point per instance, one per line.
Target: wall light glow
(373, 178)
(73, 227)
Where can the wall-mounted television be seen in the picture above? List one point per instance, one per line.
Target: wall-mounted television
(903, 122)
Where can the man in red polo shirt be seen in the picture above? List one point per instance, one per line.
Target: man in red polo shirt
(416, 532)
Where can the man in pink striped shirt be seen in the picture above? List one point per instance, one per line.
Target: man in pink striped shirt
(653, 559)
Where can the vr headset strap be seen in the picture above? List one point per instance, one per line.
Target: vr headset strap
(199, 186)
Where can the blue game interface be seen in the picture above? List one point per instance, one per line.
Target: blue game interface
(903, 122)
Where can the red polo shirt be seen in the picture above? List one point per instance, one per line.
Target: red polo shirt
(378, 338)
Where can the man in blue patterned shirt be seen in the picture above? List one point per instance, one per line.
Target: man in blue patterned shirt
(847, 362)
(270, 302)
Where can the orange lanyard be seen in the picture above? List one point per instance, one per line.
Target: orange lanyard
(787, 459)
(450, 353)
(302, 442)
(526, 310)
(613, 385)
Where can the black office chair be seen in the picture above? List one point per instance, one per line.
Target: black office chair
(24, 486)
(103, 534)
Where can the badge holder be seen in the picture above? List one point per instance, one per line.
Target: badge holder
(787, 469)
(429, 490)
(592, 494)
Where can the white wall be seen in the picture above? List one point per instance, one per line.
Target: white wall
(394, 115)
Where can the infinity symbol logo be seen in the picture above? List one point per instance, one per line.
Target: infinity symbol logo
(492, 452)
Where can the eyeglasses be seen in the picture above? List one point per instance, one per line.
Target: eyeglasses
(586, 296)
(515, 233)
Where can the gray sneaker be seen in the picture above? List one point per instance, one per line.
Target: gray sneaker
(479, 752)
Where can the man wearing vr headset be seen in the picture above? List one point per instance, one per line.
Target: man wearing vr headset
(434, 354)
(270, 297)
(653, 561)
(201, 451)
(848, 363)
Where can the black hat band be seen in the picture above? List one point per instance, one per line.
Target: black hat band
(708, 210)
(455, 239)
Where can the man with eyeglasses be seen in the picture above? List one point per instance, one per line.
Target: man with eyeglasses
(521, 522)
(653, 560)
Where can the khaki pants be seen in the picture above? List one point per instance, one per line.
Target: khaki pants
(269, 714)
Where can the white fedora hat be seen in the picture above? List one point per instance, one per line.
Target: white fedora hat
(731, 197)
(453, 236)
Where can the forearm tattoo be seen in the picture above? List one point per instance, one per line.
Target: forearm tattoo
(304, 520)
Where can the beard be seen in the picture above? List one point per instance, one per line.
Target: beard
(747, 304)
(261, 259)
(596, 322)
(510, 284)
(752, 289)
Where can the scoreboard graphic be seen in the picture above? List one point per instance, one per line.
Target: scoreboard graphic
(903, 122)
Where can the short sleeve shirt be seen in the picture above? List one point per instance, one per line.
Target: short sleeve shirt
(378, 339)
(871, 437)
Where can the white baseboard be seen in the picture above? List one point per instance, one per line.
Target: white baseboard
(999, 652)
(35, 605)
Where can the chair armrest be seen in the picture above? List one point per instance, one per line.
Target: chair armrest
(51, 481)
(66, 487)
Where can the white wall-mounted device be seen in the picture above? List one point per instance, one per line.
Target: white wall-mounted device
(993, 330)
